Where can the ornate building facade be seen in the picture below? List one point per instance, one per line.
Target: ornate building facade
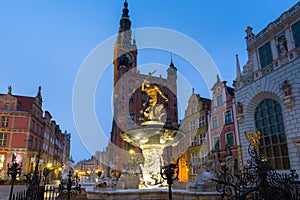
(223, 125)
(268, 90)
(195, 125)
(26, 130)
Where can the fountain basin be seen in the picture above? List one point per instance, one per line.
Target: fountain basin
(157, 134)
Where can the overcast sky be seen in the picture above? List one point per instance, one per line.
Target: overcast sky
(45, 43)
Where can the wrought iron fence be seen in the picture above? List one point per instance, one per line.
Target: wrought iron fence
(258, 181)
(46, 193)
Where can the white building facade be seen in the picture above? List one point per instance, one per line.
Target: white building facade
(268, 91)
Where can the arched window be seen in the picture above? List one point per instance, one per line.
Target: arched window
(269, 121)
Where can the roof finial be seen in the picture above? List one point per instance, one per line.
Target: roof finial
(39, 94)
(9, 90)
(125, 9)
(172, 64)
(218, 78)
(193, 90)
(238, 69)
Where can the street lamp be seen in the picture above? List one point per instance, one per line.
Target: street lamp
(14, 170)
(170, 173)
(46, 171)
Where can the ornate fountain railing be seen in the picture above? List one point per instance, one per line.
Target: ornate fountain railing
(258, 181)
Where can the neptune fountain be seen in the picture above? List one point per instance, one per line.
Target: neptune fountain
(152, 137)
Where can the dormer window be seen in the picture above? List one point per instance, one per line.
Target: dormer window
(265, 55)
(6, 106)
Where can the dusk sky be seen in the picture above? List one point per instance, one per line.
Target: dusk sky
(44, 43)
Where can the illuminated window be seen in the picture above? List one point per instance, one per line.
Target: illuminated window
(1, 161)
(269, 121)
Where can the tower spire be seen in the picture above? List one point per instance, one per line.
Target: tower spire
(238, 69)
(125, 22)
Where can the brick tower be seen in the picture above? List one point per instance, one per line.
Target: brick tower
(128, 97)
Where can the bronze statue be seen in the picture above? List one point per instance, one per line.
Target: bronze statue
(152, 112)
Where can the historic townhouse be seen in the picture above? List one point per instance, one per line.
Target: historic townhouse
(223, 125)
(27, 131)
(195, 125)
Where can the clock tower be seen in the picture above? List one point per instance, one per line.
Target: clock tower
(128, 97)
(125, 51)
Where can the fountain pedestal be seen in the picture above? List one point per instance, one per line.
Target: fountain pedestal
(152, 139)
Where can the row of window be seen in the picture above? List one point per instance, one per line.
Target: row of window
(228, 119)
(201, 123)
(201, 140)
(229, 137)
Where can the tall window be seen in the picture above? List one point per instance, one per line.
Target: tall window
(203, 156)
(230, 139)
(194, 157)
(6, 106)
(217, 143)
(192, 111)
(2, 139)
(193, 141)
(296, 34)
(269, 121)
(202, 138)
(201, 121)
(215, 122)
(228, 117)
(265, 55)
(192, 125)
(219, 100)
(4, 121)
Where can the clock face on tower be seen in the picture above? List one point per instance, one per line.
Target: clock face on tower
(130, 57)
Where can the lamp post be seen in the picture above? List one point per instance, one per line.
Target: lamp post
(170, 173)
(46, 172)
(13, 172)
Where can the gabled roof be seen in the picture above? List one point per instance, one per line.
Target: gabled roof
(24, 103)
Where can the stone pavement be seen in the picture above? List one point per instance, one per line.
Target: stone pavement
(5, 190)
